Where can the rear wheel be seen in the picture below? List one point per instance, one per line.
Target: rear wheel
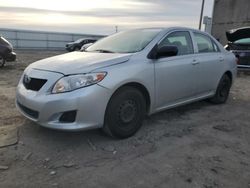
(222, 91)
(2, 61)
(125, 113)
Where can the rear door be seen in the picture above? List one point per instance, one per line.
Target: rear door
(175, 79)
(210, 63)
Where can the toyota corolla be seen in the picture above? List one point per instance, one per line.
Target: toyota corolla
(118, 80)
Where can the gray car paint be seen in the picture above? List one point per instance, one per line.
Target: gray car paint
(169, 81)
(79, 62)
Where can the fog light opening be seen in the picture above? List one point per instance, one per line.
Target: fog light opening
(68, 117)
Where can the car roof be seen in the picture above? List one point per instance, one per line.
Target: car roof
(172, 28)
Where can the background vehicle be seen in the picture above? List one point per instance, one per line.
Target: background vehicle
(116, 81)
(85, 46)
(76, 45)
(239, 44)
(6, 52)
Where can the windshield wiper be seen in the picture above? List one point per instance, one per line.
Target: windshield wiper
(103, 51)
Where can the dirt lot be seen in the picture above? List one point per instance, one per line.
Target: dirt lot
(199, 145)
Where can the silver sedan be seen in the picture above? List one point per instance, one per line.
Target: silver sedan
(118, 80)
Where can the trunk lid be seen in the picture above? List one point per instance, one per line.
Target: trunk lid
(237, 34)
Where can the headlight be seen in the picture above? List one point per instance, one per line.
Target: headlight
(73, 82)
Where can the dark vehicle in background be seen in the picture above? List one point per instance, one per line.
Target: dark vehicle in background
(77, 45)
(239, 44)
(85, 46)
(6, 52)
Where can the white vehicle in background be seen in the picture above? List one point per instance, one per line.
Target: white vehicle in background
(119, 79)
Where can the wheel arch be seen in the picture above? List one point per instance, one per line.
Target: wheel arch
(229, 74)
(141, 88)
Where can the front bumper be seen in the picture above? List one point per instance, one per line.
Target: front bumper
(10, 56)
(46, 109)
(69, 48)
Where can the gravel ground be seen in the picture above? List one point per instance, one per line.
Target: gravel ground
(198, 145)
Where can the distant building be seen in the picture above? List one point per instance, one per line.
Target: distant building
(229, 14)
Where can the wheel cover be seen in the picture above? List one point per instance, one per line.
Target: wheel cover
(127, 111)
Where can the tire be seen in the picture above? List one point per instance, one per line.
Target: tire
(2, 61)
(222, 91)
(125, 113)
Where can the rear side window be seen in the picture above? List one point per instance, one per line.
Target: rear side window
(216, 48)
(205, 44)
(180, 39)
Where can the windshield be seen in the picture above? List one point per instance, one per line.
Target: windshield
(125, 42)
(79, 40)
(243, 41)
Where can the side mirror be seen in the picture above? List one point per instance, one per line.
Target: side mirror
(166, 51)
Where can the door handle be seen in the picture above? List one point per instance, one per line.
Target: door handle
(221, 59)
(195, 62)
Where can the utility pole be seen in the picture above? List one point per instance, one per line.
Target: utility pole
(201, 16)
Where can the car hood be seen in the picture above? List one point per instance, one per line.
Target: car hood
(79, 62)
(237, 34)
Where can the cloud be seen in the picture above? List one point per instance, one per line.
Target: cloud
(129, 14)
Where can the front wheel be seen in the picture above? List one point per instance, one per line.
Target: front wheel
(125, 113)
(2, 61)
(222, 91)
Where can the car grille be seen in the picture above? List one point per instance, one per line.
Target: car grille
(34, 84)
(32, 113)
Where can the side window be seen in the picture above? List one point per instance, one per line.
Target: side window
(180, 39)
(205, 44)
(216, 48)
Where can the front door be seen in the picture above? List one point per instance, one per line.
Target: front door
(175, 79)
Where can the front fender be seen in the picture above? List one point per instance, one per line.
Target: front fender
(130, 72)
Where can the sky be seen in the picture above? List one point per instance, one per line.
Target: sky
(100, 16)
